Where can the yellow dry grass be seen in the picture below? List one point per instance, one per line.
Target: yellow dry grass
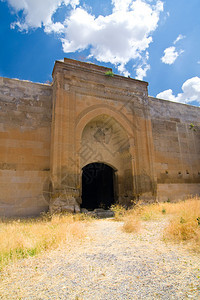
(131, 224)
(184, 219)
(120, 212)
(184, 226)
(24, 238)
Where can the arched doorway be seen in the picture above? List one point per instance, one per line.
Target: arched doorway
(98, 186)
(105, 140)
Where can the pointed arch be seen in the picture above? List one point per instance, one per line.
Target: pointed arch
(87, 115)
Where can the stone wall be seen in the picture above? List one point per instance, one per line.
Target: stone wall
(177, 148)
(25, 124)
(86, 117)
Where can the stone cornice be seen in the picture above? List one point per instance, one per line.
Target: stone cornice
(91, 69)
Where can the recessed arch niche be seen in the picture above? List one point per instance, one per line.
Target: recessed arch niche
(105, 141)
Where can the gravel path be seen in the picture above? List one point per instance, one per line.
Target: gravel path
(108, 264)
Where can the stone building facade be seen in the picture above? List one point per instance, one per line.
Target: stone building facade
(91, 139)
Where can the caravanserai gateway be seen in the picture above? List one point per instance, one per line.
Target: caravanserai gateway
(91, 139)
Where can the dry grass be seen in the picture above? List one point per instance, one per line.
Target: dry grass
(120, 212)
(132, 218)
(131, 224)
(148, 212)
(24, 238)
(184, 225)
(184, 219)
(144, 212)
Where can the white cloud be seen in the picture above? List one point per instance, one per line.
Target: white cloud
(170, 55)
(121, 68)
(167, 95)
(117, 38)
(120, 5)
(37, 12)
(141, 71)
(54, 27)
(180, 37)
(143, 67)
(191, 92)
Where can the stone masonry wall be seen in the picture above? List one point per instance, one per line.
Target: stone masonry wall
(177, 148)
(163, 152)
(25, 124)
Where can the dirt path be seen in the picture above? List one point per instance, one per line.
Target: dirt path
(109, 264)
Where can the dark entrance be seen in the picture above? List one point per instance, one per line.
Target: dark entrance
(97, 186)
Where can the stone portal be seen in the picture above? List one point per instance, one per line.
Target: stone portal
(102, 120)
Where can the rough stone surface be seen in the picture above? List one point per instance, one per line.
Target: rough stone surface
(25, 124)
(101, 213)
(60, 205)
(176, 147)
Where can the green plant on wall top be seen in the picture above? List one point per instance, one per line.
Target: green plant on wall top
(192, 127)
(109, 74)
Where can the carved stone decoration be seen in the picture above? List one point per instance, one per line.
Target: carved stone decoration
(99, 135)
(102, 133)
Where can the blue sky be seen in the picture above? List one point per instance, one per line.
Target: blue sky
(151, 40)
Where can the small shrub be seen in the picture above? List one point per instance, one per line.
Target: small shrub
(147, 216)
(163, 211)
(109, 74)
(131, 224)
(181, 230)
(150, 212)
(119, 212)
(192, 127)
(182, 220)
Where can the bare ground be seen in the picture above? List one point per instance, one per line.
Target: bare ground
(108, 264)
